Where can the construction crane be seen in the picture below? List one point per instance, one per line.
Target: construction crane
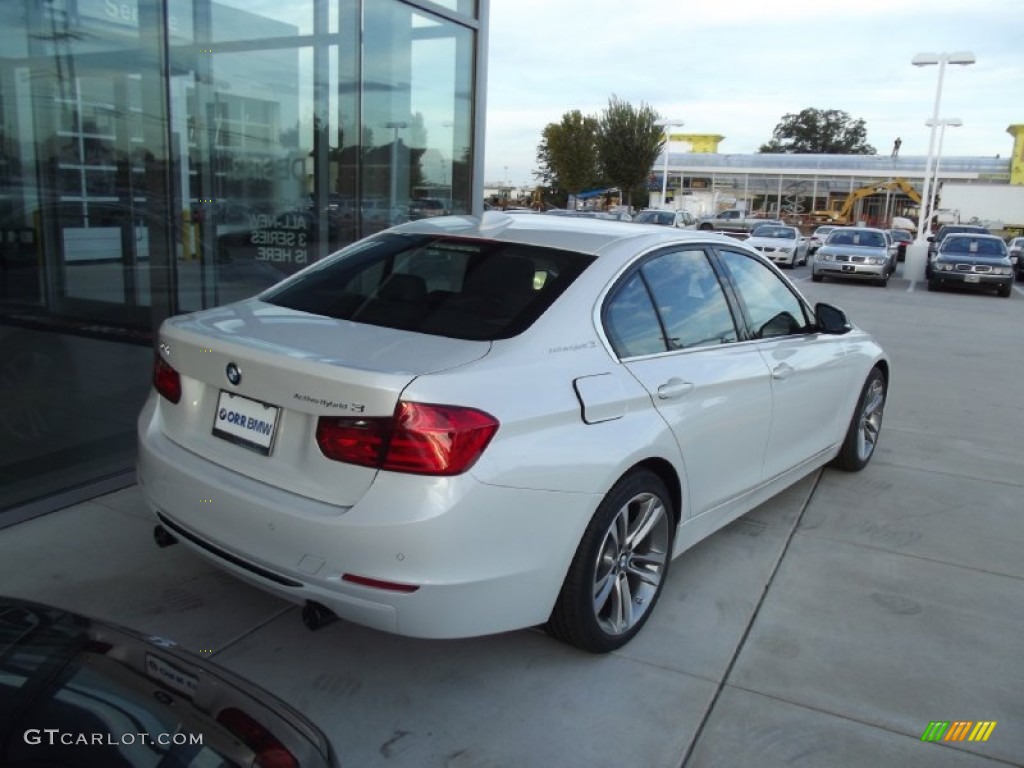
(841, 213)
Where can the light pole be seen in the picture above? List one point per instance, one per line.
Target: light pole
(925, 60)
(393, 201)
(953, 122)
(667, 125)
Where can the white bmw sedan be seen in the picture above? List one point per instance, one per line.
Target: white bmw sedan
(465, 426)
(782, 244)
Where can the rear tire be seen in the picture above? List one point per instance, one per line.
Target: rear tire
(619, 568)
(865, 425)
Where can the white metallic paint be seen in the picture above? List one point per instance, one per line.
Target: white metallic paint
(488, 549)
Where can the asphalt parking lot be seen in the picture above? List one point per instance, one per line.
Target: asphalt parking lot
(828, 627)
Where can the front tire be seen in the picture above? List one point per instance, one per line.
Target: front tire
(865, 425)
(619, 568)
(816, 278)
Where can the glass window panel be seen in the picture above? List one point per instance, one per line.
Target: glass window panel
(773, 309)
(631, 321)
(690, 300)
(416, 116)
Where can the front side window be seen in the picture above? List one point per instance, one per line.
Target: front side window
(442, 286)
(674, 301)
(772, 308)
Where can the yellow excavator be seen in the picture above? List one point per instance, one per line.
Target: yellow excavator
(840, 211)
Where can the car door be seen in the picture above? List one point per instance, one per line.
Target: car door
(810, 371)
(669, 322)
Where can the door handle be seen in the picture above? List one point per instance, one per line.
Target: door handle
(674, 388)
(782, 371)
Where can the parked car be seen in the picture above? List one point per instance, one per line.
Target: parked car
(857, 253)
(818, 238)
(782, 244)
(947, 229)
(666, 218)
(902, 238)
(1016, 251)
(460, 427)
(972, 260)
(425, 207)
(76, 693)
(619, 215)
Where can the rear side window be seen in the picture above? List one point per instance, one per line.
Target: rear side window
(443, 286)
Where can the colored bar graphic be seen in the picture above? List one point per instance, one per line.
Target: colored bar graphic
(983, 730)
(958, 730)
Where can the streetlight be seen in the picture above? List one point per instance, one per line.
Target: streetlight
(925, 60)
(393, 201)
(953, 122)
(667, 124)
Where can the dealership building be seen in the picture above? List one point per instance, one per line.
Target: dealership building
(162, 156)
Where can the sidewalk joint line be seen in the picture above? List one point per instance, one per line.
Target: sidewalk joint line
(750, 623)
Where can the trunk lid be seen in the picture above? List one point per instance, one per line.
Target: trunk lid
(292, 368)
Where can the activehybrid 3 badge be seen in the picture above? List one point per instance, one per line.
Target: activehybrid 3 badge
(234, 374)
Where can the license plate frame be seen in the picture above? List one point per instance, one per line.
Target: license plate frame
(171, 675)
(972, 278)
(244, 421)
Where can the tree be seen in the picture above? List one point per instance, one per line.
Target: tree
(629, 140)
(819, 132)
(567, 154)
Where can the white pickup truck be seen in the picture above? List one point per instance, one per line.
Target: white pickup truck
(734, 221)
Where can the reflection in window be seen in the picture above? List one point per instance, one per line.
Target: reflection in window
(630, 320)
(690, 300)
(417, 110)
(773, 309)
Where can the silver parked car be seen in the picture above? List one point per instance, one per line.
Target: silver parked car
(464, 426)
(666, 218)
(857, 253)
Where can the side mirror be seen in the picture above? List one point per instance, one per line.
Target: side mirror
(831, 319)
(931, 238)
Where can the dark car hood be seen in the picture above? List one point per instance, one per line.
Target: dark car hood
(973, 258)
(61, 670)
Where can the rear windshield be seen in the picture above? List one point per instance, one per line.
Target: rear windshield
(443, 286)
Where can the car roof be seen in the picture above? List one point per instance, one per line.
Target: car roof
(583, 235)
(859, 229)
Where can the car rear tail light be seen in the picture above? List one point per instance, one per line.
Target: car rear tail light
(419, 438)
(270, 753)
(166, 380)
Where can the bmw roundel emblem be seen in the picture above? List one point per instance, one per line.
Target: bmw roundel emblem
(234, 374)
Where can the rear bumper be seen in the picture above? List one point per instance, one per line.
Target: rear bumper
(483, 558)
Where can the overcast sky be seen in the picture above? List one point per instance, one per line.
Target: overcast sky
(736, 67)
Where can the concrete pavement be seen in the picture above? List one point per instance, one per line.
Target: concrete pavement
(826, 628)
